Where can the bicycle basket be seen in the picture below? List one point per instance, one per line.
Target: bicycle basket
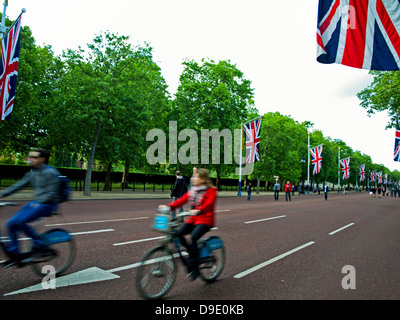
(161, 223)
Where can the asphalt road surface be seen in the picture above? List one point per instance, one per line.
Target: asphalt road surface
(345, 248)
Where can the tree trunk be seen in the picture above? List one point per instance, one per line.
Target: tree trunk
(124, 182)
(107, 182)
(258, 183)
(88, 179)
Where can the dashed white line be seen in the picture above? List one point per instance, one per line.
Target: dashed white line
(90, 222)
(266, 219)
(90, 232)
(340, 229)
(262, 265)
(136, 241)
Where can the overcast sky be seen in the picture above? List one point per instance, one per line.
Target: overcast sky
(272, 42)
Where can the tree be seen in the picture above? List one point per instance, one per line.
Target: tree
(383, 95)
(212, 96)
(37, 88)
(283, 143)
(106, 101)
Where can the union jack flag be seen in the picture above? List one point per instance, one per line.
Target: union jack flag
(316, 158)
(362, 34)
(345, 164)
(362, 172)
(252, 131)
(372, 176)
(396, 154)
(386, 179)
(379, 176)
(9, 69)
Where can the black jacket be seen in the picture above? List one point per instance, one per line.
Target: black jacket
(179, 188)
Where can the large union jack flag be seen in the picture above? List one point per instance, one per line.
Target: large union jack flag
(363, 34)
(362, 172)
(252, 131)
(396, 154)
(316, 159)
(9, 69)
(345, 165)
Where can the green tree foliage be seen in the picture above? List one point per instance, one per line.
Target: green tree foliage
(383, 95)
(109, 94)
(212, 95)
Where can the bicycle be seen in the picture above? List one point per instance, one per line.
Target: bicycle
(156, 273)
(59, 241)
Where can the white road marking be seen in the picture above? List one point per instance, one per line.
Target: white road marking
(93, 231)
(262, 265)
(89, 222)
(266, 219)
(136, 241)
(93, 274)
(340, 229)
(137, 264)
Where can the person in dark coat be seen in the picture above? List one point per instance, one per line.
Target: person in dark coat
(178, 190)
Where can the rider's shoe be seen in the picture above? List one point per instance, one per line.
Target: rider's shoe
(194, 274)
(38, 252)
(15, 259)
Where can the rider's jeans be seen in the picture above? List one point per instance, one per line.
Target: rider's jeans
(32, 211)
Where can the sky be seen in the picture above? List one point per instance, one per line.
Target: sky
(272, 42)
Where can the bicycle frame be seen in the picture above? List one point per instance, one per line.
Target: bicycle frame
(58, 240)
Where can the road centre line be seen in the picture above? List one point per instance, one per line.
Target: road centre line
(136, 241)
(340, 229)
(90, 232)
(146, 239)
(90, 222)
(272, 218)
(262, 265)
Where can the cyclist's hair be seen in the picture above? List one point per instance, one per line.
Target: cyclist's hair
(44, 154)
(203, 174)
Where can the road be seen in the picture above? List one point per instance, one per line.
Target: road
(306, 249)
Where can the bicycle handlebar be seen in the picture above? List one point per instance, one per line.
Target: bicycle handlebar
(168, 210)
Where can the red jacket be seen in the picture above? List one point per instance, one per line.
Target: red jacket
(206, 207)
(288, 187)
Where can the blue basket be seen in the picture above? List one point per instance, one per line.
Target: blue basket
(161, 223)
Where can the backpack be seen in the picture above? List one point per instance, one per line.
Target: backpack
(65, 189)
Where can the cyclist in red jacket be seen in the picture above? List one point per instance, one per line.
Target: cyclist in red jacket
(201, 196)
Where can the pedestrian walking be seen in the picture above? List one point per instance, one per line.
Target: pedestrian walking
(326, 190)
(249, 190)
(178, 191)
(277, 188)
(288, 189)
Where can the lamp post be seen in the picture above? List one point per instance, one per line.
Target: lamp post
(303, 162)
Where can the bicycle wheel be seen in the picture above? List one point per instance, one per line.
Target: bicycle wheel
(211, 267)
(64, 248)
(156, 273)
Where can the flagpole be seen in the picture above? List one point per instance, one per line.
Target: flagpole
(3, 28)
(339, 171)
(240, 164)
(308, 164)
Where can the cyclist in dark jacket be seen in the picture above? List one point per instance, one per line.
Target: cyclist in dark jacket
(178, 190)
(46, 183)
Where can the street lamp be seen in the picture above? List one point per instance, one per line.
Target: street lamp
(303, 161)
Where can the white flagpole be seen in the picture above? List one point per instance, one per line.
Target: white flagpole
(3, 28)
(240, 165)
(308, 164)
(339, 171)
